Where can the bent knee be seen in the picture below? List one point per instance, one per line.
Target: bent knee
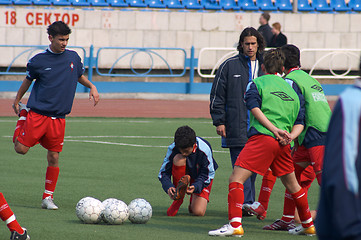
(21, 149)
(198, 212)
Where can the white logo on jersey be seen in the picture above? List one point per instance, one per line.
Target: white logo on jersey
(47, 69)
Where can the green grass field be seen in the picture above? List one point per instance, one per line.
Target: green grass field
(120, 158)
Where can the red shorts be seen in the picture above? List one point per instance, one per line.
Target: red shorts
(47, 131)
(262, 152)
(205, 192)
(313, 155)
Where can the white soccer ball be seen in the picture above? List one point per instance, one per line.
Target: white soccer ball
(140, 211)
(115, 211)
(89, 210)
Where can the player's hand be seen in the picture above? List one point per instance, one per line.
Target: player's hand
(16, 108)
(190, 189)
(171, 192)
(93, 94)
(283, 137)
(221, 130)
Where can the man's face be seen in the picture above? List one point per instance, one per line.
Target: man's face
(187, 151)
(262, 20)
(250, 47)
(58, 43)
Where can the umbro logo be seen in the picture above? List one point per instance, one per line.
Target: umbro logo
(318, 88)
(283, 96)
(236, 75)
(47, 69)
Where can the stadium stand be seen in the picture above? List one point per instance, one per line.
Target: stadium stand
(5, 2)
(61, 3)
(230, 5)
(42, 2)
(22, 2)
(193, 4)
(99, 3)
(173, 4)
(155, 4)
(248, 5)
(118, 3)
(321, 5)
(355, 5)
(80, 3)
(136, 3)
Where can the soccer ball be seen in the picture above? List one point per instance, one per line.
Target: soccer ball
(115, 211)
(140, 211)
(89, 210)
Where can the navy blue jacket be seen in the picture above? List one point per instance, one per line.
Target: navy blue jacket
(200, 165)
(339, 210)
(227, 105)
(56, 78)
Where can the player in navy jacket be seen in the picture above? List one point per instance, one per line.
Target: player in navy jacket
(57, 72)
(192, 156)
(339, 210)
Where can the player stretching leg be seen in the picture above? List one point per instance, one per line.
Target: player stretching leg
(277, 119)
(57, 72)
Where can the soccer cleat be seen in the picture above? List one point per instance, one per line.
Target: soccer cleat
(245, 212)
(310, 231)
(280, 225)
(16, 235)
(227, 230)
(48, 203)
(181, 187)
(257, 209)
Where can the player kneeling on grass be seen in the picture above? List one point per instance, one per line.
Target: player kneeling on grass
(189, 161)
(277, 119)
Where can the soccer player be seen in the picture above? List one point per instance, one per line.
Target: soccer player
(227, 108)
(277, 118)
(7, 215)
(310, 144)
(189, 160)
(339, 209)
(57, 71)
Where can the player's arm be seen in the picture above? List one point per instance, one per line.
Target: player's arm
(22, 90)
(93, 94)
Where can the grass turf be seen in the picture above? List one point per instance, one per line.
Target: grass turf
(120, 158)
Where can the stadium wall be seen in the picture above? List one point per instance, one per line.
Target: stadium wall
(132, 27)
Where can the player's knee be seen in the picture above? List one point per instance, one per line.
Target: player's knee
(20, 149)
(199, 212)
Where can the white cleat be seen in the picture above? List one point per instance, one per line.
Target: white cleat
(48, 203)
(227, 230)
(310, 231)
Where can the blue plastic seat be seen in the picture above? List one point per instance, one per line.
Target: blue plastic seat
(355, 5)
(136, 3)
(99, 3)
(5, 2)
(22, 2)
(80, 3)
(192, 4)
(230, 5)
(304, 5)
(118, 3)
(155, 4)
(321, 5)
(42, 2)
(173, 4)
(212, 4)
(284, 5)
(339, 5)
(61, 2)
(266, 5)
(248, 5)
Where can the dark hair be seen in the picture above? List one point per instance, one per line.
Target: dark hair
(292, 56)
(58, 28)
(184, 137)
(250, 31)
(266, 16)
(273, 60)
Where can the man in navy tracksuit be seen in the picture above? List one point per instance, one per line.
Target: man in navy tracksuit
(189, 160)
(227, 107)
(339, 210)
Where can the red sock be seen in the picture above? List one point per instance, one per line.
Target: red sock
(19, 124)
(51, 178)
(289, 208)
(306, 177)
(268, 182)
(303, 209)
(8, 216)
(178, 172)
(235, 203)
(173, 209)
